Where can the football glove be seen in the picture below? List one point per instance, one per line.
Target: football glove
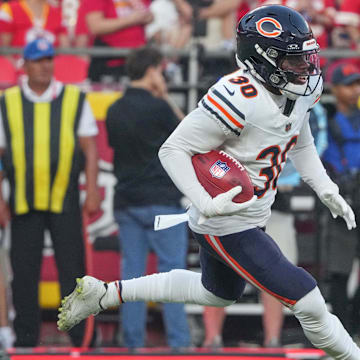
(222, 204)
(338, 207)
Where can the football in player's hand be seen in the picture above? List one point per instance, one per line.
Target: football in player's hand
(219, 172)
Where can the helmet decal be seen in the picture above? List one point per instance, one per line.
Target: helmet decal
(274, 33)
(310, 45)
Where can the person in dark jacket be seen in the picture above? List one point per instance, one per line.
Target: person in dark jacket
(137, 125)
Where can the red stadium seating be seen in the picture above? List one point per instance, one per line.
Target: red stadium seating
(70, 68)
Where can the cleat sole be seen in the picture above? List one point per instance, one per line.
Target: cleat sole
(65, 304)
(87, 290)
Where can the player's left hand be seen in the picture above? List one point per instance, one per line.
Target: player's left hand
(338, 207)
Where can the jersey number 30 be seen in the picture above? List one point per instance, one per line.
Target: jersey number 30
(272, 172)
(246, 89)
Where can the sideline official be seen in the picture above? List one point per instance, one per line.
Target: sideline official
(47, 134)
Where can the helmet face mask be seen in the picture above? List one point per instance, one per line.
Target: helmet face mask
(299, 66)
(276, 45)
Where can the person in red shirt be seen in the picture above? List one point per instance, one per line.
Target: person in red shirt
(226, 10)
(83, 38)
(115, 24)
(349, 16)
(25, 20)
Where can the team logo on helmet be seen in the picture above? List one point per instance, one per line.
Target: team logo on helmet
(272, 30)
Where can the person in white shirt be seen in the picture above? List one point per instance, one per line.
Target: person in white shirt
(258, 115)
(47, 135)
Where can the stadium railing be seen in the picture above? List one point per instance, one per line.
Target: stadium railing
(192, 84)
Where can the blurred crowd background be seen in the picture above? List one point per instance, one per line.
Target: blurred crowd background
(197, 37)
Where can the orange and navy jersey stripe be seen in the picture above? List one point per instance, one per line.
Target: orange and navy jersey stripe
(217, 105)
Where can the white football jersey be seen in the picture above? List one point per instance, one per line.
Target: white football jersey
(263, 134)
(257, 133)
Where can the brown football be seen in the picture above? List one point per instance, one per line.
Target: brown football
(219, 172)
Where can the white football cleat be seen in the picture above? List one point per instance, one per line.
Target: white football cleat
(82, 302)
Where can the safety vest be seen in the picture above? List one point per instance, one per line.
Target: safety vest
(42, 159)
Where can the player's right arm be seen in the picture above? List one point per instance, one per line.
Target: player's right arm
(197, 133)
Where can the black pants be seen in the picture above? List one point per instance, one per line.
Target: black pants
(27, 240)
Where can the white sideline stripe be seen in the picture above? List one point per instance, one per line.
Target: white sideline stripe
(239, 309)
(236, 309)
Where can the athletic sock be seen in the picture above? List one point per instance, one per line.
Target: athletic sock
(112, 297)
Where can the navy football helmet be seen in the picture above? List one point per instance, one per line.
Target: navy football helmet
(277, 46)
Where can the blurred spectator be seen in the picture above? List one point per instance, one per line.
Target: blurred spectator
(349, 17)
(169, 28)
(25, 20)
(282, 229)
(340, 38)
(225, 11)
(213, 318)
(115, 24)
(83, 37)
(215, 21)
(137, 125)
(320, 15)
(69, 10)
(46, 136)
(184, 9)
(342, 159)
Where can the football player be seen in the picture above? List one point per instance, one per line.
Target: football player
(259, 115)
